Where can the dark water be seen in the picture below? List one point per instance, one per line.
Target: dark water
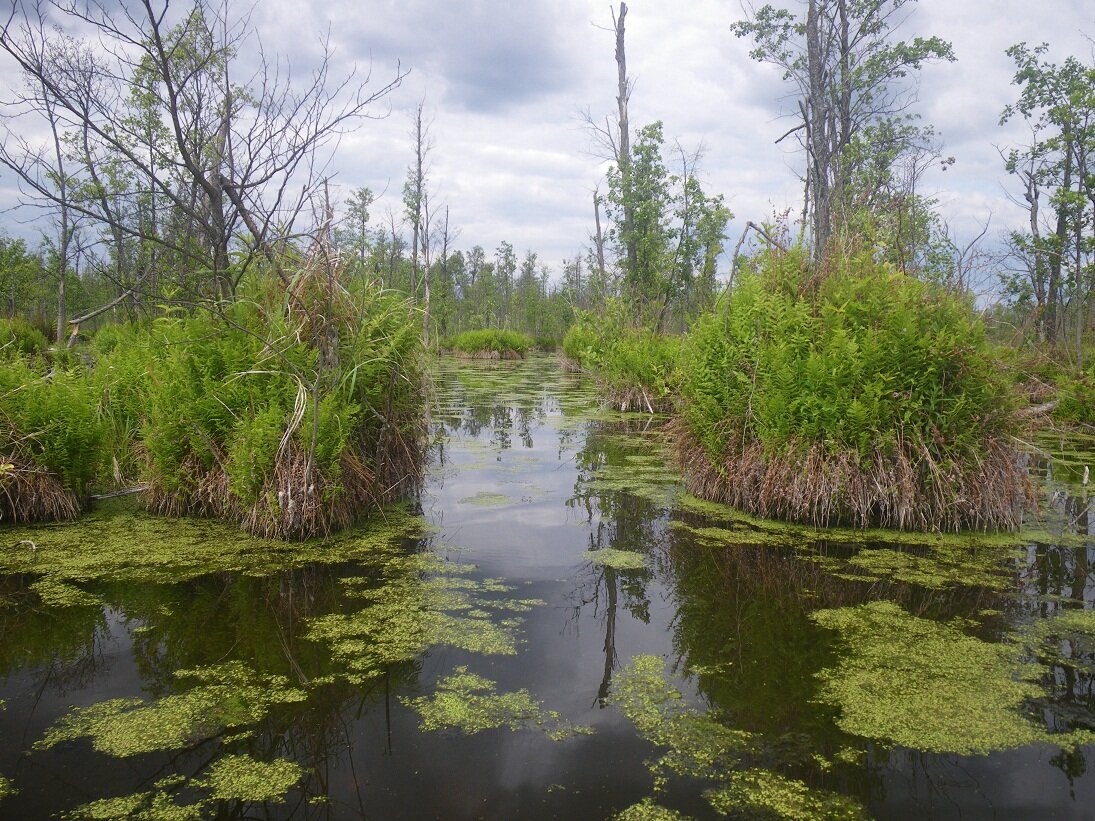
(673, 676)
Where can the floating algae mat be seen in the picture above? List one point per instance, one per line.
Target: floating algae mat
(554, 629)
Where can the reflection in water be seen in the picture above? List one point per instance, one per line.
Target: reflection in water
(152, 668)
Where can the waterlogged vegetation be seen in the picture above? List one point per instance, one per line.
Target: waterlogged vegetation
(491, 343)
(655, 655)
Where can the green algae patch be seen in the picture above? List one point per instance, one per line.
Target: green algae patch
(118, 545)
(616, 559)
(928, 686)
(943, 566)
(647, 810)
(243, 778)
(418, 602)
(6, 788)
(143, 806)
(791, 533)
(485, 499)
(472, 704)
(55, 592)
(698, 745)
(230, 695)
(783, 797)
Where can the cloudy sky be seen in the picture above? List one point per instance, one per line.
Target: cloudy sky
(503, 83)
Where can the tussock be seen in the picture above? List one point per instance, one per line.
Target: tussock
(909, 490)
(29, 493)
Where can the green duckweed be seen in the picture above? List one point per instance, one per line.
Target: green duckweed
(6, 788)
(118, 545)
(616, 559)
(927, 685)
(143, 806)
(485, 499)
(698, 745)
(471, 703)
(647, 810)
(243, 778)
(230, 695)
(405, 614)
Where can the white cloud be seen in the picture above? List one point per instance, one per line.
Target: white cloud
(503, 82)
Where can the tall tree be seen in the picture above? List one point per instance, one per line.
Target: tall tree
(849, 75)
(1057, 172)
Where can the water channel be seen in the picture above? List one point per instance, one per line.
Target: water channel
(559, 631)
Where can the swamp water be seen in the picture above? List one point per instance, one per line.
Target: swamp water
(562, 633)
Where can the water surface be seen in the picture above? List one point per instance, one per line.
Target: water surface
(558, 631)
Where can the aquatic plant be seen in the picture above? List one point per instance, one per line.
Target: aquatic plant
(698, 745)
(226, 696)
(491, 343)
(863, 397)
(928, 686)
(472, 704)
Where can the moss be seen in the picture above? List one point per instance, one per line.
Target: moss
(647, 810)
(928, 686)
(242, 778)
(231, 695)
(470, 703)
(616, 559)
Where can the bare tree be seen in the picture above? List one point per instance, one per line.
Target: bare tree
(845, 70)
(232, 159)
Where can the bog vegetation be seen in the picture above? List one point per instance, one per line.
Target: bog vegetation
(210, 320)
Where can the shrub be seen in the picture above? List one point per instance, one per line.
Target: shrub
(634, 367)
(50, 441)
(867, 397)
(492, 343)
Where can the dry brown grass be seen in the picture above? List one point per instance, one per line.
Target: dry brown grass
(300, 501)
(507, 354)
(30, 494)
(906, 491)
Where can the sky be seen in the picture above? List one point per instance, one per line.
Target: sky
(503, 85)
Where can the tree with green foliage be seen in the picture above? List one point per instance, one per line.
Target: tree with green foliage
(849, 78)
(1057, 171)
(675, 233)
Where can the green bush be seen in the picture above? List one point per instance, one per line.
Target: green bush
(51, 422)
(866, 368)
(19, 338)
(635, 367)
(492, 341)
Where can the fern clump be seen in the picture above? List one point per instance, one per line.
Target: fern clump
(18, 338)
(285, 420)
(492, 343)
(864, 397)
(635, 368)
(50, 440)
